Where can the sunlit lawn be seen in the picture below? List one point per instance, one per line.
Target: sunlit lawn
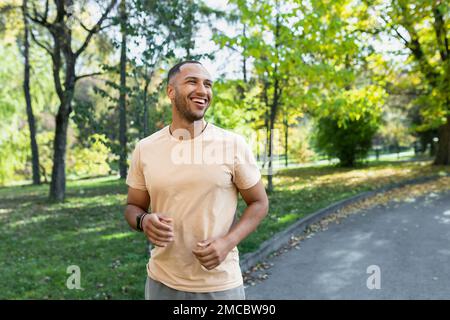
(39, 240)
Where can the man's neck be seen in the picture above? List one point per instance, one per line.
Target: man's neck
(194, 128)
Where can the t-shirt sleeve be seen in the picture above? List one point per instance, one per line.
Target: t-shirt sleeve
(246, 171)
(135, 177)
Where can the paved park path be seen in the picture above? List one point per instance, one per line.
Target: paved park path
(409, 242)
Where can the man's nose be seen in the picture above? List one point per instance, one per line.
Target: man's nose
(201, 89)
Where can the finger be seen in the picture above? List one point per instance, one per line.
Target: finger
(160, 233)
(203, 247)
(207, 259)
(160, 225)
(157, 240)
(159, 237)
(167, 221)
(164, 217)
(203, 252)
(204, 243)
(211, 265)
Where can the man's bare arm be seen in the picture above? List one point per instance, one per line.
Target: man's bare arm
(257, 208)
(138, 202)
(212, 252)
(156, 226)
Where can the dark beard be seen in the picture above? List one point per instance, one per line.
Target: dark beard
(182, 107)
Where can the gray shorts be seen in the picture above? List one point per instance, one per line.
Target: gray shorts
(155, 290)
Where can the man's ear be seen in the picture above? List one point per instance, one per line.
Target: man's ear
(170, 91)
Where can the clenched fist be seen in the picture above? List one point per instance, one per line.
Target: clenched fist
(211, 253)
(158, 228)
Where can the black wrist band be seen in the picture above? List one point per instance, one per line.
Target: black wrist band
(139, 220)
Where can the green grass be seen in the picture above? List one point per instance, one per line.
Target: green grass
(39, 239)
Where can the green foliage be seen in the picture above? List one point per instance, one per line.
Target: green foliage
(91, 160)
(45, 143)
(233, 109)
(347, 143)
(395, 133)
(13, 135)
(318, 52)
(299, 145)
(347, 124)
(396, 128)
(422, 27)
(14, 151)
(11, 92)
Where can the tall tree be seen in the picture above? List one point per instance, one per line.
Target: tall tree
(265, 20)
(123, 91)
(153, 23)
(163, 27)
(423, 28)
(268, 37)
(26, 89)
(64, 60)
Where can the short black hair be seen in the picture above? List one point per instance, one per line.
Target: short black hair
(176, 68)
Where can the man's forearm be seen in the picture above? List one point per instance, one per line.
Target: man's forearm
(250, 219)
(131, 213)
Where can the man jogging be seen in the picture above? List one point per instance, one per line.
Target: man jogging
(189, 174)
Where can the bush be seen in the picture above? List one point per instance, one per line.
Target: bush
(347, 122)
(81, 161)
(91, 161)
(347, 142)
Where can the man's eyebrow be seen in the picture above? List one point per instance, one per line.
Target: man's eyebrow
(196, 78)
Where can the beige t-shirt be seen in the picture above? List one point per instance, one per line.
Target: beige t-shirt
(195, 182)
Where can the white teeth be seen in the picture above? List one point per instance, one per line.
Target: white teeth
(199, 100)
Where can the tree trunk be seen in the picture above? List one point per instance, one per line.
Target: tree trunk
(443, 152)
(270, 169)
(244, 58)
(61, 33)
(266, 144)
(274, 105)
(265, 98)
(145, 122)
(432, 74)
(122, 97)
(286, 134)
(273, 113)
(145, 105)
(58, 183)
(26, 89)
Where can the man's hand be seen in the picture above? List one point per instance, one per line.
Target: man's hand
(158, 229)
(211, 253)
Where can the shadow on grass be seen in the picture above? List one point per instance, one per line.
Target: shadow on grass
(40, 194)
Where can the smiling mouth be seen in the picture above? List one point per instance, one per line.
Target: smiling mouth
(199, 102)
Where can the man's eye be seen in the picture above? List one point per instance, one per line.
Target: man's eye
(192, 81)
